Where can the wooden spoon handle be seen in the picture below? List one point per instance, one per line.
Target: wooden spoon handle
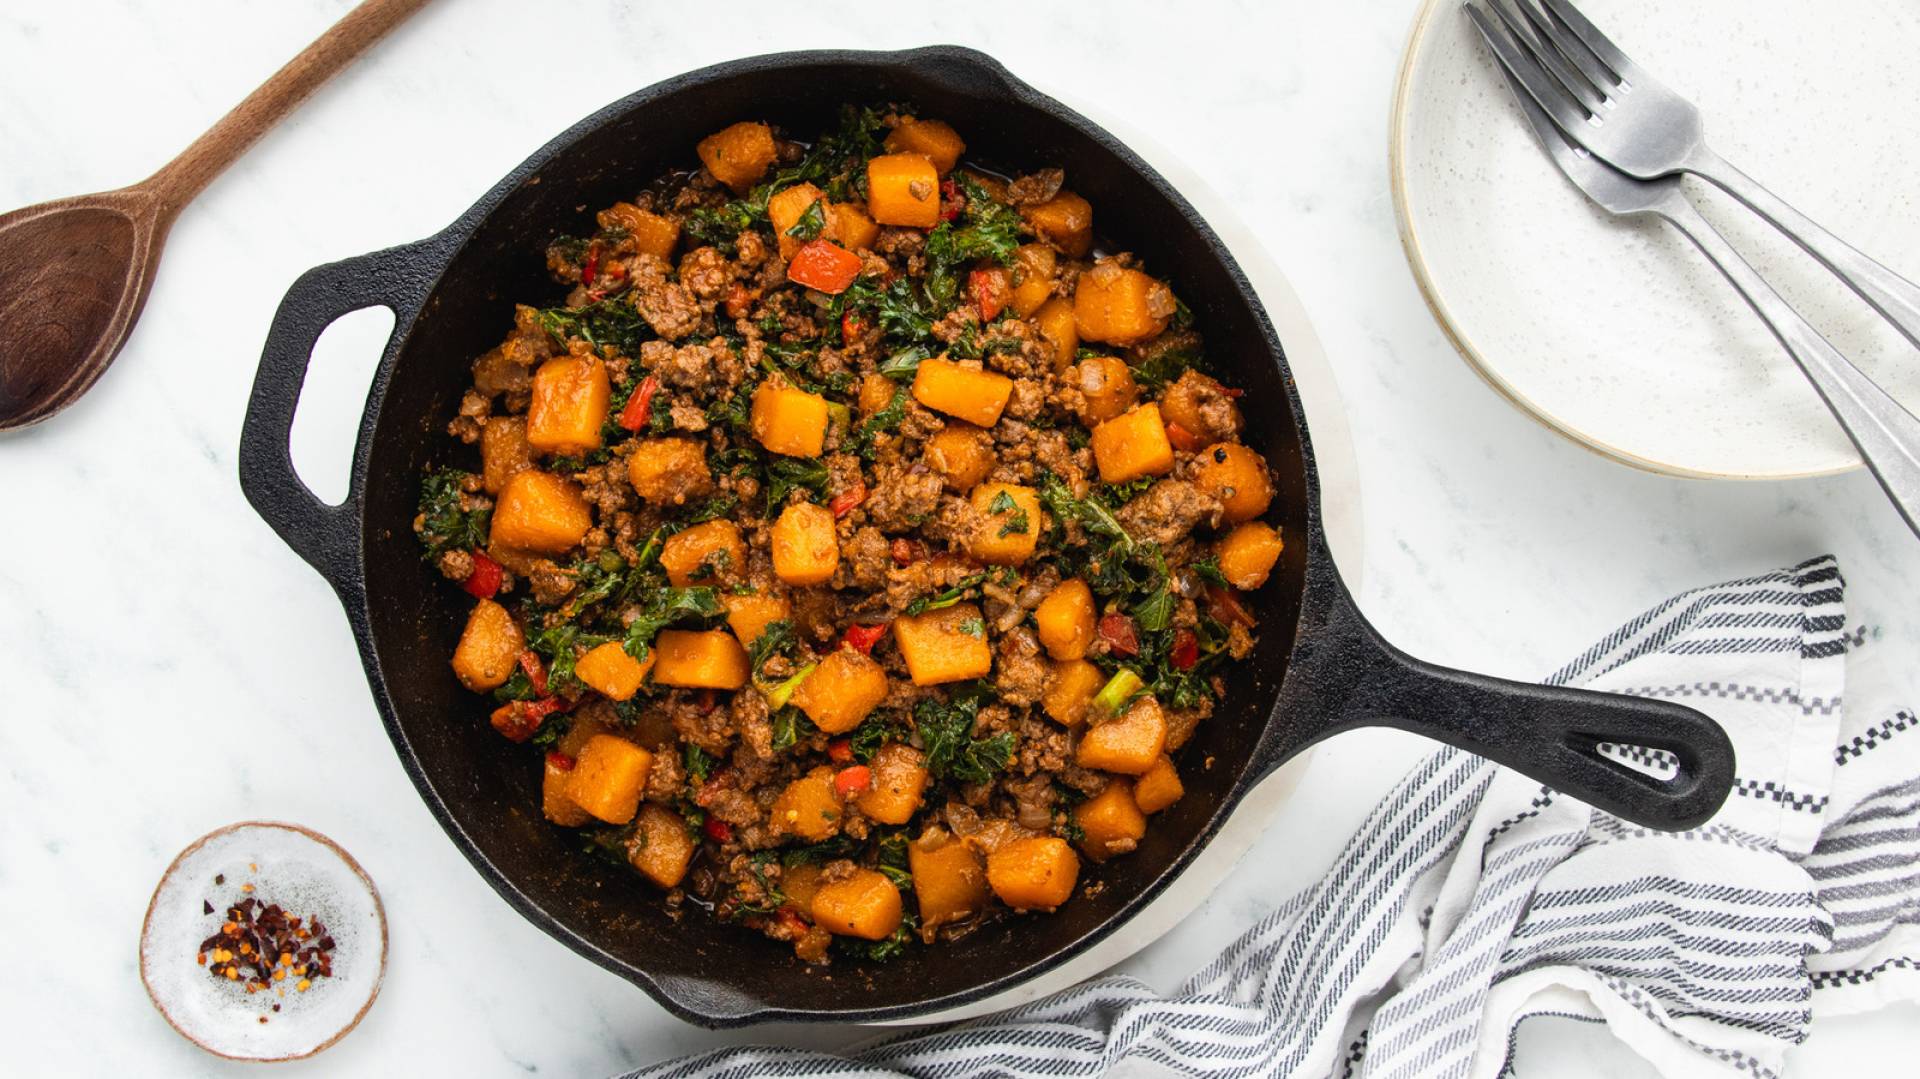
(182, 178)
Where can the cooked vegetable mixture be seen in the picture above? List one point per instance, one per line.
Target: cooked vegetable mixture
(858, 546)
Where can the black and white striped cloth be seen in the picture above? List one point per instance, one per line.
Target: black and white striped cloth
(1474, 899)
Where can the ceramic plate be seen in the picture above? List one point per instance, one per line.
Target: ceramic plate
(1619, 335)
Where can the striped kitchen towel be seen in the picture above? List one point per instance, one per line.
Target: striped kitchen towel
(1474, 899)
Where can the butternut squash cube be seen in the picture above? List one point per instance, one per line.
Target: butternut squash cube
(899, 783)
(800, 883)
(699, 659)
(555, 803)
(503, 451)
(864, 905)
(807, 808)
(947, 645)
(749, 616)
(569, 405)
(1132, 445)
(652, 234)
(707, 553)
(1128, 743)
(1110, 823)
(1065, 221)
(1106, 386)
(949, 881)
(1159, 787)
(738, 155)
(937, 141)
(661, 846)
(1236, 476)
(805, 549)
(966, 393)
(788, 420)
(903, 189)
(1070, 691)
(785, 209)
(1035, 268)
(1035, 873)
(962, 453)
(608, 776)
(1010, 523)
(850, 227)
(1054, 322)
(1247, 554)
(489, 648)
(876, 393)
(611, 672)
(1120, 306)
(669, 471)
(1064, 620)
(841, 691)
(541, 513)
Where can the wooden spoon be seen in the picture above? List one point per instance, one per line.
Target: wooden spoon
(74, 272)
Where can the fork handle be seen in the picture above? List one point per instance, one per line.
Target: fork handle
(1887, 435)
(1896, 298)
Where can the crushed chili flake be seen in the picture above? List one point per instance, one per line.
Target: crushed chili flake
(258, 942)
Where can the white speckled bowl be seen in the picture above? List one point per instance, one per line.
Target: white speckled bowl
(1619, 335)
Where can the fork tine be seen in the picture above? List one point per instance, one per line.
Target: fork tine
(1560, 39)
(1540, 85)
(1553, 140)
(1590, 35)
(1578, 87)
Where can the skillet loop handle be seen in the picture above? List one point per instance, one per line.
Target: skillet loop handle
(1550, 733)
(327, 536)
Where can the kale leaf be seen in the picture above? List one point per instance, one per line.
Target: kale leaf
(946, 734)
(666, 606)
(446, 522)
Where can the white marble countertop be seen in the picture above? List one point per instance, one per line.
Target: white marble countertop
(147, 615)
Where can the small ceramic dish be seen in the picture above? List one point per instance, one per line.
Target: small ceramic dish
(309, 877)
(1619, 335)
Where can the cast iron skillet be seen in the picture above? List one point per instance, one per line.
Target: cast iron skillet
(1320, 668)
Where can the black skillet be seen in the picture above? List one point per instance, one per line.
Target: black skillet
(1319, 669)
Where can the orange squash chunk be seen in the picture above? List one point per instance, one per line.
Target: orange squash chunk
(489, 648)
(966, 393)
(903, 189)
(652, 234)
(1065, 221)
(1128, 743)
(1035, 267)
(962, 453)
(661, 846)
(750, 615)
(1070, 691)
(807, 808)
(1159, 787)
(700, 659)
(1110, 823)
(899, 782)
(738, 155)
(806, 550)
(611, 672)
(788, 420)
(1064, 620)
(1247, 554)
(850, 227)
(938, 646)
(785, 209)
(1120, 306)
(608, 776)
(707, 553)
(1106, 386)
(1133, 445)
(539, 512)
(800, 883)
(1034, 873)
(864, 905)
(569, 405)
(937, 141)
(504, 451)
(1009, 525)
(1236, 476)
(841, 691)
(949, 881)
(556, 804)
(669, 471)
(1054, 322)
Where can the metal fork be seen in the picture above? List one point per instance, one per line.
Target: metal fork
(1887, 435)
(1618, 110)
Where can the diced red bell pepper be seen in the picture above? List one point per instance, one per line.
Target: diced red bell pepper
(536, 672)
(517, 721)
(989, 288)
(718, 830)
(824, 266)
(1185, 651)
(862, 638)
(851, 327)
(591, 268)
(484, 581)
(1226, 607)
(840, 751)
(1232, 391)
(1118, 631)
(711, 789)
(560, 760)
(851, 781)
(846, 501)
(949, 200)
(739, 301)
(903, 552)
(1184, 439)
(639, 408)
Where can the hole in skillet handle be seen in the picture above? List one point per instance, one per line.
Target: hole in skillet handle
(326, 536)
(1344, 675)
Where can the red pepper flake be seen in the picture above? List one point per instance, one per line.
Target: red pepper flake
(536, 672)
(639, 409)
(718, 830)
(862, 638)
(840, 751)
(1185, 651)
(1232, 391)
(851, 781)
(1117, 630)
(560, 760)
(846, 501)
(484, 581)
(257, 943)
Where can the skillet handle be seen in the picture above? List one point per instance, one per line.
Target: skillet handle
(327, 536)
(1345, 670)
